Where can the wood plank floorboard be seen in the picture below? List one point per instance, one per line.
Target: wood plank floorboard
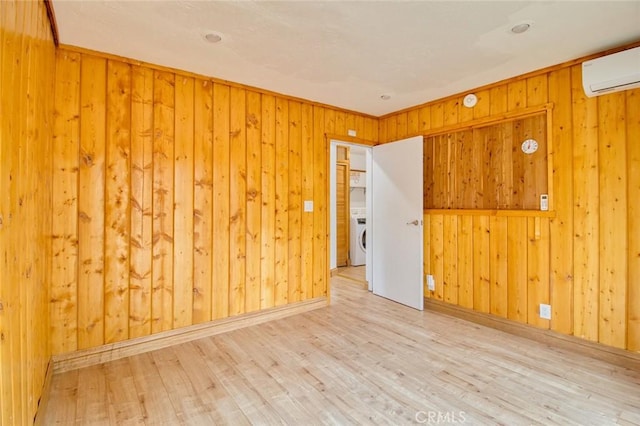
(361, 360)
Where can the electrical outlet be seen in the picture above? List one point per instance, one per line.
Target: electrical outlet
(431, 283)
(545, 311)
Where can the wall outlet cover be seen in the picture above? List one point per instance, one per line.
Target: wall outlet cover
(545, 311)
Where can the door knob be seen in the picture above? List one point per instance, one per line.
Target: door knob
(414, 222)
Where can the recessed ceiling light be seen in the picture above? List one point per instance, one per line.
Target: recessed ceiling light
(385, 97)
(213, 37)
(520, 28)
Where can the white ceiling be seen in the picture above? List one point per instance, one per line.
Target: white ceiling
(349, 53)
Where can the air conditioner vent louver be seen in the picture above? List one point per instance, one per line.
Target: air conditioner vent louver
(612, 73)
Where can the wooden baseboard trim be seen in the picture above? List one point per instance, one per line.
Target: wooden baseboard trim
(615, 356)
(333, 272)
(113, 351)
(44, 395)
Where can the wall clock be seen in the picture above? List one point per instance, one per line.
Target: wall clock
(529, 146)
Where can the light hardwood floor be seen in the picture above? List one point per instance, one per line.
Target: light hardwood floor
(354, 273)
(362, 360)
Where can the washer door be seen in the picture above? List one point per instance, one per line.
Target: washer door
(362, 240)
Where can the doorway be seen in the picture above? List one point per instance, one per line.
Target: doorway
(349, 211)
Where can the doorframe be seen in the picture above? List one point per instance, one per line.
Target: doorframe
(332, 142)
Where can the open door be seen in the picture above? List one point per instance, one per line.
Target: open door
(397, 214)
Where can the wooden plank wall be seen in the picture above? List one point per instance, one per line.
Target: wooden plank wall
(27, 65)
(178, 199)
(485, 168)
(585, 261)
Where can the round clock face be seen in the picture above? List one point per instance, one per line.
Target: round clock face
(529, 146)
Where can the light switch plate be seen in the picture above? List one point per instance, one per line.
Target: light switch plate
(308, 206)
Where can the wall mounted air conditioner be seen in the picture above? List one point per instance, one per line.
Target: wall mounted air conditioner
(611, 73)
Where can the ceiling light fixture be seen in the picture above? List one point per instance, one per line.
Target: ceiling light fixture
(213, 37)
(520, 28)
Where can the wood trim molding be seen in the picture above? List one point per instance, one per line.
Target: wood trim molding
(113, 351)
(44, 395)
(52, 22)
(349, 139)
(615, 356)
(491, 212)
(490, 120)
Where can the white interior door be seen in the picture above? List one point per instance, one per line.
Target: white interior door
(396, 232)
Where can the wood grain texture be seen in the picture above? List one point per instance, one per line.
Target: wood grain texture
(191, 178)
(203, 201)
(633, 230)
(29, 257)
(613, 219)
(117, 233)
(587, 261)
(64, 278)
(485, 168)
(221, 195)
(561, 256)
(311, 368)
(586, 241)
(141, 244)
(183, 208)
(163, 199)
(254, 201)
(91, 202)
(238, 201)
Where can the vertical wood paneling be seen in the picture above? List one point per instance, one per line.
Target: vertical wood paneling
(517, 269)
(482, 108)
(91, 203)
(450, 259)
(465, 261)
(562, 225)
(238, 201)
(424, 118)
(141, 201)
(27, 69)
(437, 254)
(221, 236)
(499, 102)
(484, 167)
(437, 115)
(254, 201)
(613, 219)
(268, 225)
(451, 112)
(401, 126)
(537, 269)
(117, 195)
(426, 241)
(183, 156)
(282, 213)
(320, 265)
(163, 175)
(63, 306)
(537, 91)
(306, 234)
(481, 264)
(498, 268)
(202, 201)
(633, 231)
(295, 201)
(586, 199)
(517, 95)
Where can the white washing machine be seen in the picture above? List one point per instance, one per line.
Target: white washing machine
(358, 243)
